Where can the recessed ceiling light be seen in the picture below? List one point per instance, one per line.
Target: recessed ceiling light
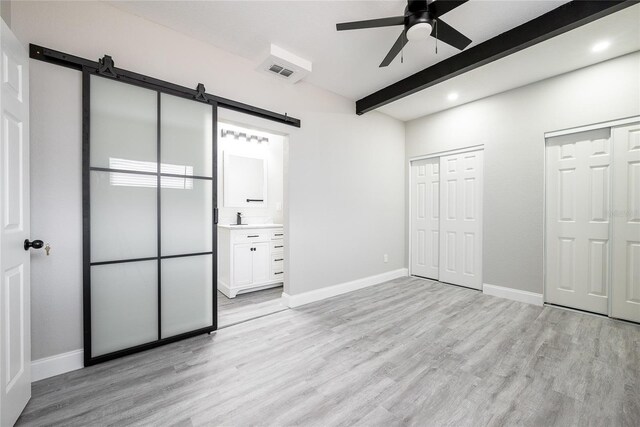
(600, 46)
(452, 96)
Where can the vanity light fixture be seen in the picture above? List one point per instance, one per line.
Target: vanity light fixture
(243, 135)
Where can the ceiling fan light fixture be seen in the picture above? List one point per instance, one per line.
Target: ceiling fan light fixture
(418, 31)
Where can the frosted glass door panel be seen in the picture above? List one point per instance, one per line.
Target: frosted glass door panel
(187, 300)
(123, 126)
(186, 136)
(124, 305)
(187, 216)
(123, 216)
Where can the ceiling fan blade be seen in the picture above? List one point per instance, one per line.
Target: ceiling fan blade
(440, 7)
(450, 35)
(371, 23)
(395, 49)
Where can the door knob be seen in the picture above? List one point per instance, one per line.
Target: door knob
(36, 244)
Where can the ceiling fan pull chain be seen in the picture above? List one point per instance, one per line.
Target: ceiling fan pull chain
(436, 36)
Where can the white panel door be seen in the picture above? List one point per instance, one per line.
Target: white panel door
(15, 338)
(577, 220)
(425, 224)
(625, 292)
(461, 219)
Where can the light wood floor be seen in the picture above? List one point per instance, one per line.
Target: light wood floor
(407, 352)
(248, 306)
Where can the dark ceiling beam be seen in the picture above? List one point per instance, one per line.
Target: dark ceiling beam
(560, 20)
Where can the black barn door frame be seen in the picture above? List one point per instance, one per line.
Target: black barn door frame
(86, 220)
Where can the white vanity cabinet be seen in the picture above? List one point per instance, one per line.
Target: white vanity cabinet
(249, 258)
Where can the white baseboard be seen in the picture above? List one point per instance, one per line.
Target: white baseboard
(513, 294)
(342, 288)
(56, 365)
(285, 299)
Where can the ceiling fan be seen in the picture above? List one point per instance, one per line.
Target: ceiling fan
(421, 19)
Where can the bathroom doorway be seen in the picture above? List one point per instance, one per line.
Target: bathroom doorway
(251, 222)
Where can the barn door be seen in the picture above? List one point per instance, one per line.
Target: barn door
(149, 200)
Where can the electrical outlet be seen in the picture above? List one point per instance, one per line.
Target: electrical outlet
(386, 258)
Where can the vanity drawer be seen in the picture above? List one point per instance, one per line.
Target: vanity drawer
(277, 272)
(277, 258)
(277, 234)
(249, 236)
(277, 266)
(277, 246)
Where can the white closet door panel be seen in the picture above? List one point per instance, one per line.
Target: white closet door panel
(626, 224)
(461, 219)
(578, 197)
(425, 223)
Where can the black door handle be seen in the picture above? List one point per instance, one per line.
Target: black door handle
(36, 244)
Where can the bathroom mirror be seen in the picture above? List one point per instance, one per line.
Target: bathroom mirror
(245, 181)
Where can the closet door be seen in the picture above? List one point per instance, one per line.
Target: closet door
(577, 220)
(425, 212)
(626, 223)
(461, 219)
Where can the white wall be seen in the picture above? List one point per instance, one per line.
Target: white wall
(345, 172)
(512, 127)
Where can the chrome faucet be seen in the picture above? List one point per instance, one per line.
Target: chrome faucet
(239, 218)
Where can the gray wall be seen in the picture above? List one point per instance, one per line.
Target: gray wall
(512, 127)
(345, 173)
(5, 12)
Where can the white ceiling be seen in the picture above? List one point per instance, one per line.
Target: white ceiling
(566, 52)
(343, 62)
(347, 62)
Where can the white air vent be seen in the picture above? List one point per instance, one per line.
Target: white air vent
(285, 65)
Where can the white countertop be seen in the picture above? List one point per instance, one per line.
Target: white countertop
(249, 226)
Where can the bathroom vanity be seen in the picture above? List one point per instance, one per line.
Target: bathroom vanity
(250, 257)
